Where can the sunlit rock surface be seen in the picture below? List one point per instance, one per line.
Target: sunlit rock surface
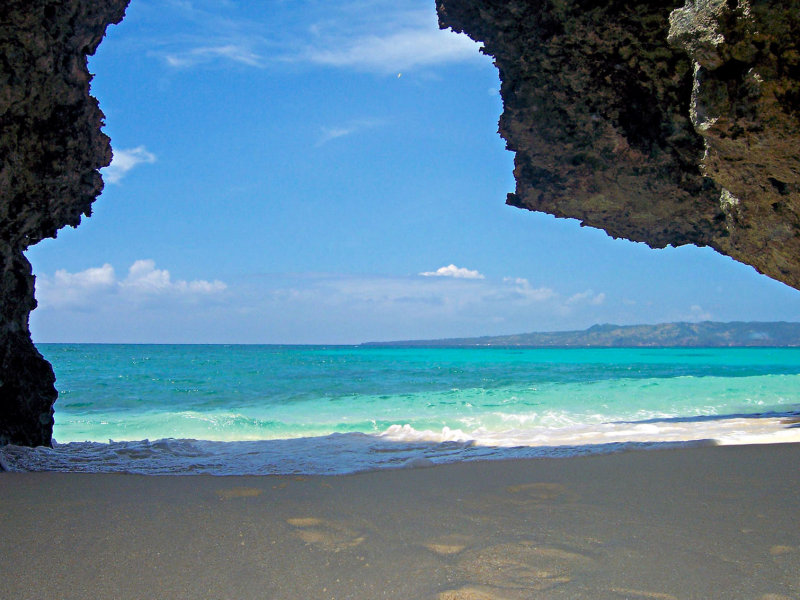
(658, 122)
(50, 149)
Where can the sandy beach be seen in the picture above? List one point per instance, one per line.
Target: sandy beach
(706, 522)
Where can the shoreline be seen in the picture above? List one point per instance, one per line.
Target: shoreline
(398, 447)
(700, 522)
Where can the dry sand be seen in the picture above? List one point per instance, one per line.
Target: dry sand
(705, 523)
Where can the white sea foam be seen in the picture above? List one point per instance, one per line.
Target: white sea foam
(399, 446)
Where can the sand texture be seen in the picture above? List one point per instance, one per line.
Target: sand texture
(698, 523)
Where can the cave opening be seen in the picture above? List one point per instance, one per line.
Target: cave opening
(331, 177)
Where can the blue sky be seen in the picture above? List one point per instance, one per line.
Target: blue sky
(307, 171)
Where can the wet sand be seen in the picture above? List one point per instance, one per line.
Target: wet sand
(704, 523)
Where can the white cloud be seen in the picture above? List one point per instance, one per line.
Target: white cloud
(144, 278)
(351, 127)
(587, 297)
(453, 271)
(523, 289)
(361, 308)
(331, 133)
(146, 303)
(85, 289)
(67, 289)
(372, 36)
(430, 294)
(96, 277)
(124, 161)
(697, 313)
(233, 52)
(201, 286)
(398, 51)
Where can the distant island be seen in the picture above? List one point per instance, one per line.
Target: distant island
(705, 334)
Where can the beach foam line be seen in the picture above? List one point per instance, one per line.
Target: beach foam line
(399, 446)
(735, 429)
(337, 454)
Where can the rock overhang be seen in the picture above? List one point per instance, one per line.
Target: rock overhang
(664, 123)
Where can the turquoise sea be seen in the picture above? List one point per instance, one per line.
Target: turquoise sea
(319, 409)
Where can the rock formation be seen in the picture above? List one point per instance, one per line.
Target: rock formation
(657, 122)
(50, 149)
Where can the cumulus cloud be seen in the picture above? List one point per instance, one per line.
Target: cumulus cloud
(71, 289)
(124, 161)
(523, 289)
(144, 278)
(587, 297)
(96, 277)
(84, 289)
(453, 271)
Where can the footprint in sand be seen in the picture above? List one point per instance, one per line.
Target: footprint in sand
(640, 594)
(787, 558)
(513, 571)
(448, 544)
(471, 593)
(781, 550)
(238, 492)
(542, 492)
(332, 536)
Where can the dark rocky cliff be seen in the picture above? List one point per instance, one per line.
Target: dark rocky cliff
(658, 122)
(50, 149)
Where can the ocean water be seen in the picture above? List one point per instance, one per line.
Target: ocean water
(301, 409)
